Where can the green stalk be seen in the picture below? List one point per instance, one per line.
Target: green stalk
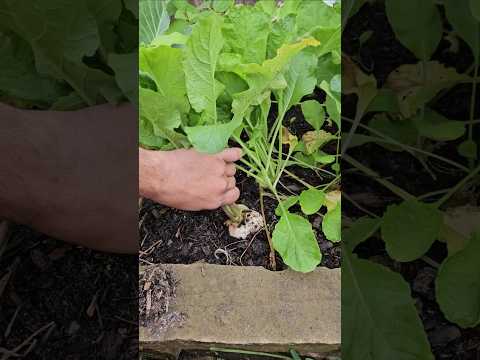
(471, 162)
(235, 212)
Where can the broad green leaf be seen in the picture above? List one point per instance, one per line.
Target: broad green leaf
(263, 78)
(295, 241)
(159, 110)
(336, 83)
(165, 67)
(286, 204)
(132, 6)
(300, 78)
(106, 13)
(20, 79)
(61, 34)
(283, 32)
(201, 56)
(147, 138)
(332, 224)
(174, 38)
(464, 22)
(153, 18)
(379, 318)
(417, 25)
(313, 15)
(432, 125)
(468, 149)
(458, 285)
(250, 44)
(362, 229)
(314, 113)
(211, 139)
(409, 229)
(123, 64)
(385, 101)
(311, 201)
(402, 131)
(327, 69)
(475, 9)
(323, 158)
(222, 5)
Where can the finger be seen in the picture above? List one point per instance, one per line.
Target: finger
(231, 182)
(231, 196)
(231, 154)
(230, 169)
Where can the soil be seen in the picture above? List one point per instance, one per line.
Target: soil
(85, 301)
(380, 55)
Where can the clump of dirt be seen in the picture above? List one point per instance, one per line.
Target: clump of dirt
(157, 290)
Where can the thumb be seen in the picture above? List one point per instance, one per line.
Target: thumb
(231, 154)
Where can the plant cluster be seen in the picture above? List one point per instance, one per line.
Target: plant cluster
(401, 116)
(57, 55)
(221, 73)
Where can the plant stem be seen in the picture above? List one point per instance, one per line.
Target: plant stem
(390, 186)
(410, 149)
(246, 352)
(457, 187)
(471, 162)
(273, 262)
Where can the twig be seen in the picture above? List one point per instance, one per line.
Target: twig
(248, 246)
(14, 352)
(358, 206)
(10, 324)
(151, 248)
(146, 261)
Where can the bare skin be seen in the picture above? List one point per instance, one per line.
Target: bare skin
(189, 180)
(73, 175)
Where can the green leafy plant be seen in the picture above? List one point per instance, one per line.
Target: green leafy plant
(225, 73)
(76, 56)
(402, 117)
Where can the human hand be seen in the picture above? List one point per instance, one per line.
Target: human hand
(189, 180)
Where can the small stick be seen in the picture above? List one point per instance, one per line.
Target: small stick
(8, 353)
(10, 325)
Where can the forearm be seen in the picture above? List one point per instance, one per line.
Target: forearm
(152, 171)
(71, 175)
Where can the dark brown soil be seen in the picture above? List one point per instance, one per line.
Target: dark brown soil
(88, 300)
(181, 237)
(379, 56)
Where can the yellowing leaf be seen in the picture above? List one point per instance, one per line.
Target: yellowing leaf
(314, 140)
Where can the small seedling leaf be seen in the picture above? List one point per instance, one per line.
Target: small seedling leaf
(332, 224)
(295, 241)
(311, 201)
